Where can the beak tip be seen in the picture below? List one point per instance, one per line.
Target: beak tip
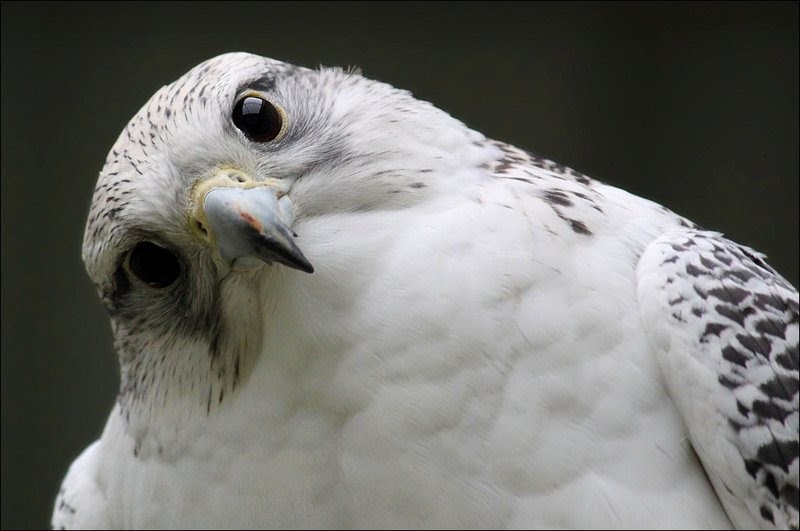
(294, 259)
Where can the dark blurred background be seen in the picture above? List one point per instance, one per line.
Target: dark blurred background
(693, 105)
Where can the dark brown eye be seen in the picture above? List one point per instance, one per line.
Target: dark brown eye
(258, 119)
(154, 265)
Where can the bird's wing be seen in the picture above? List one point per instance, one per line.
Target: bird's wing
(725, 328)
(80, 503)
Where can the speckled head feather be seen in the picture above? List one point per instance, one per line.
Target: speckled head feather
(181, 136)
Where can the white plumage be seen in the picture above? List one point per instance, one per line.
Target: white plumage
(488, 339)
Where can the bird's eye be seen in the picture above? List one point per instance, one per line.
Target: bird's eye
(258, 119)
(153, 265)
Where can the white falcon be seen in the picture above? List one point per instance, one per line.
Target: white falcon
(335, 306)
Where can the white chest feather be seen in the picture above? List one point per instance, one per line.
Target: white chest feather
(443, 383)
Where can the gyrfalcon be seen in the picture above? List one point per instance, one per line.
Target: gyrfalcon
(336, 306)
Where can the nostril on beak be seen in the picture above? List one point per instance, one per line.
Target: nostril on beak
(238, 176)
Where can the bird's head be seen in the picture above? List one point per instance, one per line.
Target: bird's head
(214, 189)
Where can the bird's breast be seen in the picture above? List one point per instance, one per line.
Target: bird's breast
(471, 369)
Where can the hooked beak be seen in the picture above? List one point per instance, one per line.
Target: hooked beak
(243, 218)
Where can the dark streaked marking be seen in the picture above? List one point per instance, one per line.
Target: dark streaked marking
(791, 494)
(695, 271)
(770, 483)
(781, 387)
(788, 359)
(557, 198)
(742, 410)
(755, 344)
(734, 356)
(762, 302)
(580, 178)
(729, 294)
(772, 327)
(766, 514)
(700, 292)
(769, 410)
(752, 466)
(579, 227)
(727, 381)
(731, 313)
(708, 264)
(741, 274)
(214, 346)
(713, 329)
(779, 453)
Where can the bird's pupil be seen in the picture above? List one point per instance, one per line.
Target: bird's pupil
(257, 118)
(154, 265)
